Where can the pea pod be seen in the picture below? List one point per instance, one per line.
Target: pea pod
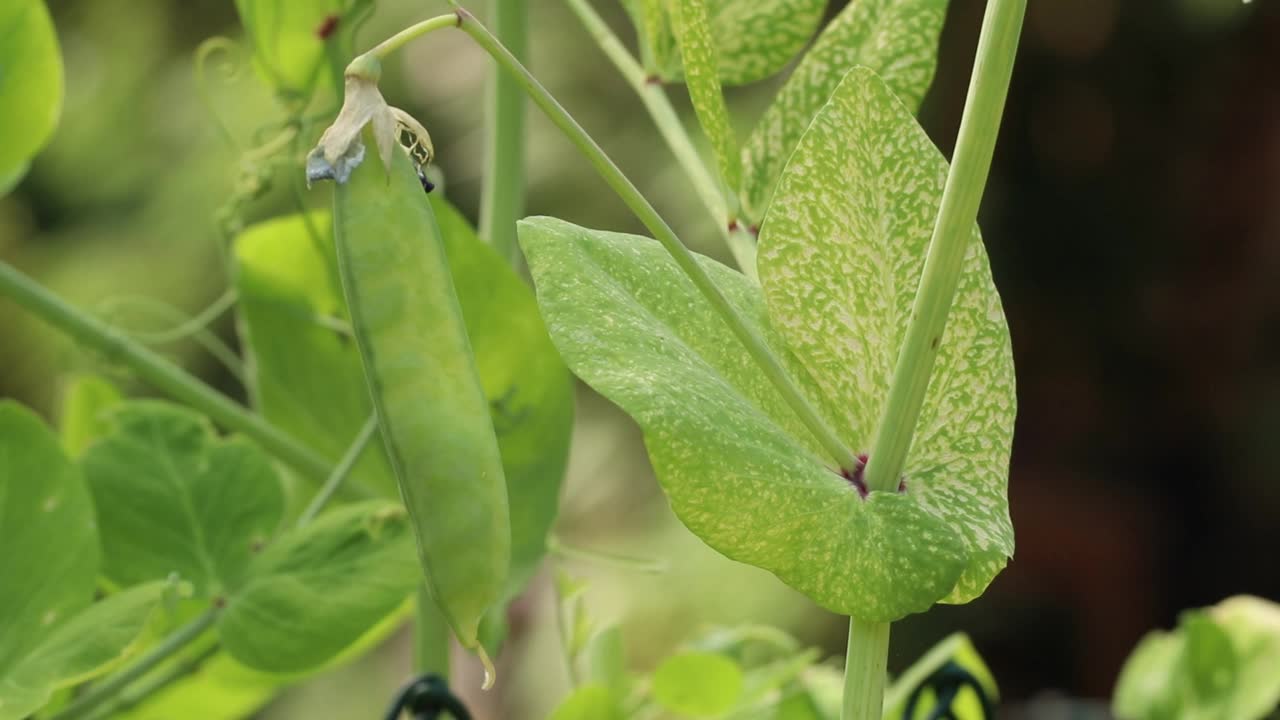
(426, 391)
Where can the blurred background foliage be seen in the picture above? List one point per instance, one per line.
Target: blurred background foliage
(1133, 222)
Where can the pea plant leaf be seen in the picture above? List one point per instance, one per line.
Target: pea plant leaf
(754, 39)
(173, 498)
(86, 406)
(317, 589)
(698, 684)
(896, 38)
(699, 52)
(1253, 625)
(54, 635)
(288, 39)
(590, 702)
(841, 253)
(31, 86)
(305, 373)
(739, 469)
(303, 367)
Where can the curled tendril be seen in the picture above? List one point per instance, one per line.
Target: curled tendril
(229, 68)
(182, 326)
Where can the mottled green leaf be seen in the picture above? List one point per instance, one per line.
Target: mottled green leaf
(303, 366)
(316, 590)
(31, 85)
(287, 45)
(698, 50)
(51, 636)
(739, 469)
(841, 253)
(173, 498)
(306, 375)
(754, 38)
(896, 38)
(589, 702)
(968, 705)
(86, 407)
(698, 684)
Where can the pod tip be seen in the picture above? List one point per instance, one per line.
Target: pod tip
(490, 674)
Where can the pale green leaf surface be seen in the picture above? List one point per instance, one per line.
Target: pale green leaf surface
(46, 511)
(86, 406)
(287, 48)
(739, 469)
(31, 85)
(698, 684)
(896, 38)
(304, 369)
(841, 254)
(589, 702)
(1149, 684)
(700, 56)
(318, 589)
(1254, 627)
(173, 498)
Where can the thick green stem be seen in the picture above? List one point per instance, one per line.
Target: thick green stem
(112, 686)
(952, 233)
(502, 195)
(665, 118)
(662, 232)
(865, 670)
(160, 373)
(430, 636)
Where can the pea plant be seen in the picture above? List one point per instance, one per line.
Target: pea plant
(837, 410)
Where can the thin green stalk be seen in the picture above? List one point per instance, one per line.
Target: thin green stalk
(131, 697)
(112, 686)
(865, 669)
(502, 193)
(160, 373)
(988, 88)
(417, 30)
(340, 472)
(669, 125)
(641, 208)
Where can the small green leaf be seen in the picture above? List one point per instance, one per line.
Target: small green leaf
(1254, 627)
(589, 702)
(754, 38)
(841, 254)
(896, 38)
(86, 406)
(698, 50)
(1209, 660)
(956, 648)
(316, 590)
(31, 85)
(286, 38)
(605, 662)
(698, 684)
(173, 498)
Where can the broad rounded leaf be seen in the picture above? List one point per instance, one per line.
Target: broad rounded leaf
(698, 50)
(318, 589)
(896, 38)
(841, 253)
(739, 469)
(754, 38)
(173, 498)
(31, 85)
(698, 684)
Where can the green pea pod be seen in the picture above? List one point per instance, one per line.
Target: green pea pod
(426, 390)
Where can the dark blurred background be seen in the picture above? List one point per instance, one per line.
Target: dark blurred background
(1133, 222)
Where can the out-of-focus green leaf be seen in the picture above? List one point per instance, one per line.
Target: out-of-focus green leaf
(318, 589)
(287, 41)
(698, 50)
(956, 648)
(698, 684)
(86, 406)
(754, 38)
(52, 636)
(31, 85)
(304, 369)
(842, 251)
(1253, 625)
(173, 498)
(896, 38)
(589, 702)
(605, 662)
